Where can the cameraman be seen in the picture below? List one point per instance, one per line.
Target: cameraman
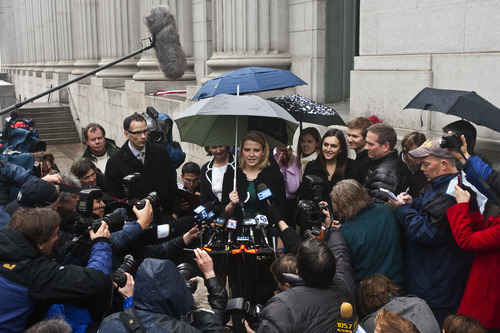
(327, 274)
(160, 306)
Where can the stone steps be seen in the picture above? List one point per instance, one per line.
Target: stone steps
(53, 122)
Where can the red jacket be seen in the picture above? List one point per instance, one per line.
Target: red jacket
(481, 299)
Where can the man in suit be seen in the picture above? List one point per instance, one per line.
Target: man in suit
(148, 159)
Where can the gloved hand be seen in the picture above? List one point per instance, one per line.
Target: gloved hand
(274, 213)
(200, 296)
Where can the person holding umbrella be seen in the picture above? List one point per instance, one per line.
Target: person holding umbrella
(253, 170)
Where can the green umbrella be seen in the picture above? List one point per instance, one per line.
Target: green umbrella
(224, 119)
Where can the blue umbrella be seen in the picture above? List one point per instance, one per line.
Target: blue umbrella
(250, 79)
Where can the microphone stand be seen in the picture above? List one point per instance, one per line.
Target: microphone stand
(152, 41)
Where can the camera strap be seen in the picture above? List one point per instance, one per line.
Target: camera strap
(131, 321)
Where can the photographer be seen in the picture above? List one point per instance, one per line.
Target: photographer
(326, 272)
(162, 307)
(30, 281)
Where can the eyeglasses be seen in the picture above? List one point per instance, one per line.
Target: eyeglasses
(138, 132)
(189, 181)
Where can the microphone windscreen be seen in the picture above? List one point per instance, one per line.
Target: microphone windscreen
(14, 115)
(261, 187)
(171, 57)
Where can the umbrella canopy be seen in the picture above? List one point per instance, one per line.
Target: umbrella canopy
(464, 104)
(250, 79)
(306, 110)
(224, 119)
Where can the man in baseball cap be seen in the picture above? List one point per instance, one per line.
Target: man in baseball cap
(436, 269)
(34, 193)
(431, 147)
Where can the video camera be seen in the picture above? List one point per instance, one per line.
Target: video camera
(249, 312)
(114, 220)
(309, 210)
(451, 140)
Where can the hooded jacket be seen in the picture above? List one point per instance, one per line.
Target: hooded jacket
(160, 299)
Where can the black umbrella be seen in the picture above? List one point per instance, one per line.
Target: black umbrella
(464, 104)
(306, 110)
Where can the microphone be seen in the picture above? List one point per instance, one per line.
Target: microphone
(249, 221)
(264, 193)
(230, 226)
(262, 223)
(348, 322)
(171, 57)
(219, 223)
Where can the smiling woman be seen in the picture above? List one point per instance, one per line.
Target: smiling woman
(331, 165)
(254, 169)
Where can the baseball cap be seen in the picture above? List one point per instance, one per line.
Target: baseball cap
(431, 147)
(33, 193)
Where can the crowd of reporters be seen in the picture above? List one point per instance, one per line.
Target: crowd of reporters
(117, 247)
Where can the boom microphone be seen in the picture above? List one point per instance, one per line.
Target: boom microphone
(171, 57)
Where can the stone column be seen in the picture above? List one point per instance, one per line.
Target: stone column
(87, 34)
(120, 36)
(65, 47)
(50, 35)
(38, 35)
(249, 33)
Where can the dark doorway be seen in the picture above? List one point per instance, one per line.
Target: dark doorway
(341, 46)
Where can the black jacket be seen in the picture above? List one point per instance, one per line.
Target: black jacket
(307, 309)
(157, 175)
(161, 298)
(388, 172)
(206, 193)
(272, 177)
(360, 166)
(316, 168)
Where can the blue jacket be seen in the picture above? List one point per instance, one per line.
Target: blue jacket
(10, 175)
(29, 279)
(160, 299)
(435, 268)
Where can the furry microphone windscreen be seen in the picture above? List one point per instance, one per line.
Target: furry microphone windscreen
(171, 58)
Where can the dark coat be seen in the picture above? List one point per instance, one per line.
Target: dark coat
(307, 309)
(360, 166)
(206, 193)
(316, 168)
(387, 172)
(157, 175)
(160, 299)
(272, 177)
(435, 268)
(29, 279)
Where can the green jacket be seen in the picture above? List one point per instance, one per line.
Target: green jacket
(111, 149)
